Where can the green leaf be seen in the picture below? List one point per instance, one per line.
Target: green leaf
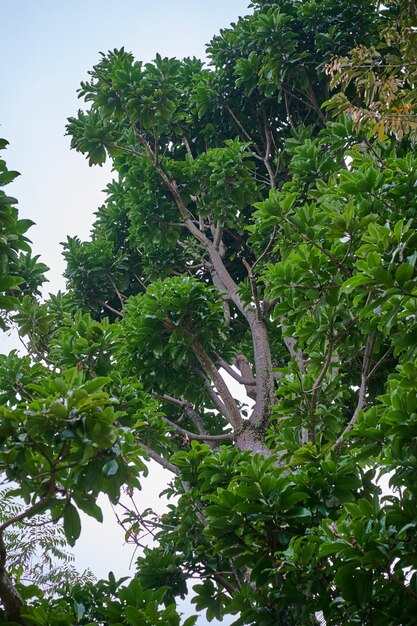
(110, 468)
(72, 524)
(96, 383)
(404, 273)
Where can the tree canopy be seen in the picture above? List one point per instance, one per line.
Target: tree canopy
(248, 231)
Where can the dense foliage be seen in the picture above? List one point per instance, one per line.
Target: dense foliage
(246, 232)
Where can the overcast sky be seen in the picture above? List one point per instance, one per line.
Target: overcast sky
(46, 50)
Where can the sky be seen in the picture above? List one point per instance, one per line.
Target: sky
(46, 50)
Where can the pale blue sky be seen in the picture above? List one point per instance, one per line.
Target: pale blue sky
(46, 49)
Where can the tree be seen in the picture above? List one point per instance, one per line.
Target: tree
(385, 75)
(245, 233)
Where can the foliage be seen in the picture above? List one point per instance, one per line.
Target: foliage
(246, 233)
(384, 74)
(37, 551)
(18, 270)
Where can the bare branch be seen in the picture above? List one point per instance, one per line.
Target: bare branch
(160, 460)
(188, 409)
(267, 156)
(203, 437)
(244, 132)
(267, 249)
(110, 308)
(215, 399)
(366, 365)
(232, 409)
(117, 292)
(291, 342)
(34, 508)
(251, 382)
(254, 288)
(217, 236)
(327, 362)
(187, 146)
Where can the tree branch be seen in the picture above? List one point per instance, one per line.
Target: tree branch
(110, 308)
(160, 460)
(10, 597)
(250, 382)
(188, 409)
(366, 364)
(244, 132)
(215, 399)
(232, 409)
(266, 158)
(202, 437)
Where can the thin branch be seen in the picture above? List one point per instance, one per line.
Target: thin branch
(267, 249)
(119, 295)
(184, 212)
(379, 362)
(190, 435)
(315, 244)
(244, 132)
(112, 309)
(266, 160)
(187, 146)
(322, 374)
(254, 288)
(315, 388)
(366, 365)
(160, 460)
(188, 409)
(216, 400)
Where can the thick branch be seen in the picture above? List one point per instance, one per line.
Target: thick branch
(229, 284)
(291, 342)
(247, 376)
(232, 409)
(10, 597)
(263, 361)
(250, 382)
